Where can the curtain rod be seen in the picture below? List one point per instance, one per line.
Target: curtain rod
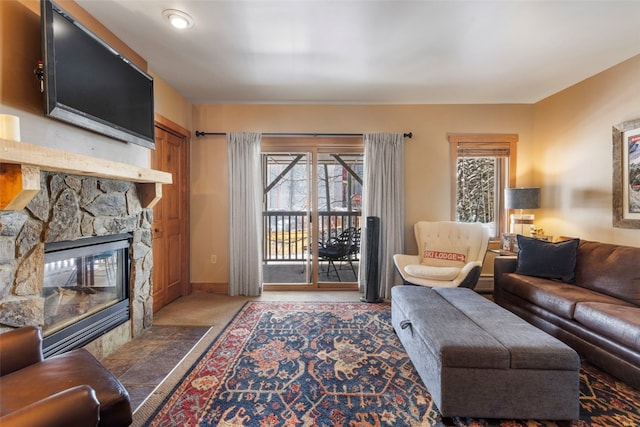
(200, 133)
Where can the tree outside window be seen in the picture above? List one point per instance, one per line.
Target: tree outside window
(475, 188)
(482, 167)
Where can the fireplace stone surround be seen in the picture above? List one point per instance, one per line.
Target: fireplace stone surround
(66, 208)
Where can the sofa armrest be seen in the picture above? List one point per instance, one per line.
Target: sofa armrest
(20, 348)
(503, 265)
(76, 406)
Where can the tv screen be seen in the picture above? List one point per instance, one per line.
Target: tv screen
(89, 84)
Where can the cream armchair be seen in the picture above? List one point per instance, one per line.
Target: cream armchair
(450, 255)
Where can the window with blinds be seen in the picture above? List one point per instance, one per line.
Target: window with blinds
(482, 167)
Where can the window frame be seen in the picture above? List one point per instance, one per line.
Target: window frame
(486, 145)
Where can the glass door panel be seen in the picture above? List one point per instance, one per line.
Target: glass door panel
(338, 180)
(287, 251)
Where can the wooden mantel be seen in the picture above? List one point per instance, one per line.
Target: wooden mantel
(21, 163)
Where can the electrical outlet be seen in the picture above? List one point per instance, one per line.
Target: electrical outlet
(214, 259)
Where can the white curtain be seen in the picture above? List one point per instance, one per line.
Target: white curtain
(384, 197)
(245, 213)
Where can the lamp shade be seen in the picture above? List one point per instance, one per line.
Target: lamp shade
(522, 198)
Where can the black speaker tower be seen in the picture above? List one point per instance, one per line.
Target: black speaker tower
(372, 291)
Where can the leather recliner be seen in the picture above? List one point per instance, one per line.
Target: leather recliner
(70, 389)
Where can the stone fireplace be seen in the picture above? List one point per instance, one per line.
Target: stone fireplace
(70, 209)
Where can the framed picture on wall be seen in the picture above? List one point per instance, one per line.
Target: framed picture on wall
(626, 174)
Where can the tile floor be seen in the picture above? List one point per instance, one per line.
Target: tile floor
(144, 362)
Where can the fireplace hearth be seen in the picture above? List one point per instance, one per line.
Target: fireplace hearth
(85, 290)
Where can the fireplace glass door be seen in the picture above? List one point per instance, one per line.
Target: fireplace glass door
(82, 285)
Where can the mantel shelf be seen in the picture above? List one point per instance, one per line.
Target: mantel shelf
(21, 163)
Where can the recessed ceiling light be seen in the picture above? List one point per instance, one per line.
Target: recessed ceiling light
(178, 18)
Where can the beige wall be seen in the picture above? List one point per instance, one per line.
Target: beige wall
(573, 154)
(169, 103)
(427, 157)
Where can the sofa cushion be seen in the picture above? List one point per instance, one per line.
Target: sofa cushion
(433, 273)
(549, 260)
(440, 255)
(619, 322)
(556, 297)
(610, 269)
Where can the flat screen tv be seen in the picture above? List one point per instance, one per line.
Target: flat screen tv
(89, 84)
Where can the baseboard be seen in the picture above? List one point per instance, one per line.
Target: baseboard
(485, 284)
(212, 288)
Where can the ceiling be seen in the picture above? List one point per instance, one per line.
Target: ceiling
(375, 51)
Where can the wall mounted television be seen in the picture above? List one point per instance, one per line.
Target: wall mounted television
(89, 84)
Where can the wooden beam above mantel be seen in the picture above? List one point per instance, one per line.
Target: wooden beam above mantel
(21, 163)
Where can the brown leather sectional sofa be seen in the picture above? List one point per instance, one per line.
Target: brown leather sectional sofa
(598, 315)
(71, 389)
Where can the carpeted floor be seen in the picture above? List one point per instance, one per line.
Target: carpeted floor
(328, 364)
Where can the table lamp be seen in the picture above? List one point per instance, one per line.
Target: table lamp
(521, 199)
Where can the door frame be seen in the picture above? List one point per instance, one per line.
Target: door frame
(183, 181)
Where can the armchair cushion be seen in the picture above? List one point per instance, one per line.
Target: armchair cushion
(431, 272)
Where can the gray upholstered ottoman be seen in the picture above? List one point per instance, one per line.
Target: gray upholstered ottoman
(480, 360)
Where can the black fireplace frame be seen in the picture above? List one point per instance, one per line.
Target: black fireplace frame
(97, 324)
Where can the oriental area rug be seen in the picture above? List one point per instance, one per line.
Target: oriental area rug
(334, 364)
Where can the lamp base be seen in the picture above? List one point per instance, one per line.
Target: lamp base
(521, 224)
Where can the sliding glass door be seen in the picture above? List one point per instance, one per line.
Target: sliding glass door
(311, 217)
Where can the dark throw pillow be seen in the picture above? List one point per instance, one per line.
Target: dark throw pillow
(549, 260)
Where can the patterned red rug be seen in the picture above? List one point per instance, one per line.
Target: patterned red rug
(335, 364)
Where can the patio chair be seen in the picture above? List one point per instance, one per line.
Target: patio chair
(339, 248)
(355, 248)
(450, 255)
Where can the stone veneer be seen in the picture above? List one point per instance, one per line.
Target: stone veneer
(69, 207)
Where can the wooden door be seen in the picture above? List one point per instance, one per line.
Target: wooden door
(171, 215)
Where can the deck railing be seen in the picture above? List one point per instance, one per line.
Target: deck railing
(286, 232)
